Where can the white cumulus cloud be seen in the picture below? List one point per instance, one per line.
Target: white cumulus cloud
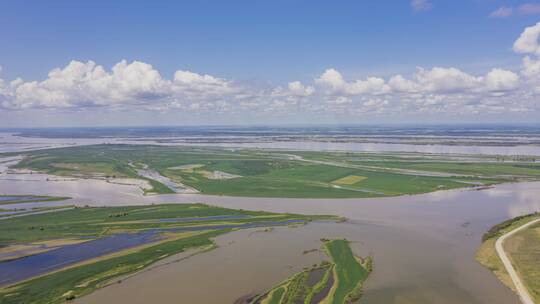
(87, 84)
(333, 81)
(138, 85)
(81, 84)
(299, 89)
(527, 43)
(498, 80)
(444, 80)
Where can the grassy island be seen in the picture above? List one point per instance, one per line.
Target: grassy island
(336, 282)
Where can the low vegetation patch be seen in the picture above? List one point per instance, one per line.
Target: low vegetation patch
(349, 180)
(337, 282)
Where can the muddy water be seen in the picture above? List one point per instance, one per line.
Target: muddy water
(423, 245)
(37, 264)
(246, 261)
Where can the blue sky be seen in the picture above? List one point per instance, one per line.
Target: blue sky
(260, 46)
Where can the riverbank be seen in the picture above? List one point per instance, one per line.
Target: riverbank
(512, 255)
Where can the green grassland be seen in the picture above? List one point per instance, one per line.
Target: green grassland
(92, 222)
(95, 222)
(523, 248)
(266, 173)
(349, 273)
(337, 282)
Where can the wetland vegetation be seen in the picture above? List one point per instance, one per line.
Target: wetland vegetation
(265, 173)
(337, 281)
(164, 230)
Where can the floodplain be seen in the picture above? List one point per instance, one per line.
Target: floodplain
(267, 173)
(406, 234)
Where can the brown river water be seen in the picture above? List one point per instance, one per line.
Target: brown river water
(423, 245)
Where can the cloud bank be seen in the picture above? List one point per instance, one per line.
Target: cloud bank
(128, 85)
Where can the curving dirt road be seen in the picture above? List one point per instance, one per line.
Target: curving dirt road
(521, 289)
